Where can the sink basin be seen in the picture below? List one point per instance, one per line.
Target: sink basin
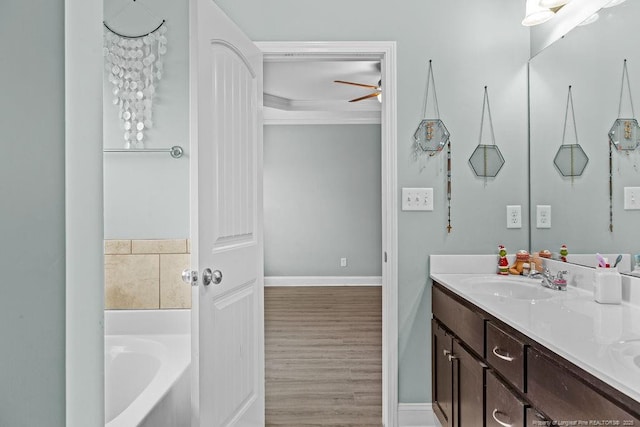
(519, 289)
(627, 352)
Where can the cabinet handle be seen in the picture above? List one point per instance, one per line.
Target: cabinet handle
(502, 423)
(452, 357)
(502, 356)
(446, 352)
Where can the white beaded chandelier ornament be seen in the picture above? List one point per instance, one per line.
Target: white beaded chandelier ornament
(134, 68)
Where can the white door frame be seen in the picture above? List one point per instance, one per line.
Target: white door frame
(386, 53)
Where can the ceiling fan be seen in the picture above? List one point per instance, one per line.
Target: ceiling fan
(377, 93)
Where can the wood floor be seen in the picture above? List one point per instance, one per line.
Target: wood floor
(323, 356)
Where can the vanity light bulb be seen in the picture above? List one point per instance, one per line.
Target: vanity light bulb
(535, 15)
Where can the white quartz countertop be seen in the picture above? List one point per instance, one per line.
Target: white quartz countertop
(602, 339)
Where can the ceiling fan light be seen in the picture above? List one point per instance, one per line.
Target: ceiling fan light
(535, 15)
(379, 97)
(549, 4)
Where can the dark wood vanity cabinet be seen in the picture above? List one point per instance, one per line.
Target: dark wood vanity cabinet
(485, 373)
(458, 380)
(442, 374)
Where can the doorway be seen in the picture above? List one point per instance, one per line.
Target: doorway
(384, 54)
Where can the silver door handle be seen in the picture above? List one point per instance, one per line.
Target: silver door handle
(209, 277)
(502, 423)
(190, 277)
(496, 351)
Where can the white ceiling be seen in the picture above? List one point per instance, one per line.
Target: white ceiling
(308, 85)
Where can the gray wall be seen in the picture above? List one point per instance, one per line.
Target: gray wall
(472, 44)
(322, 200)
(32, 232)
(146, 195)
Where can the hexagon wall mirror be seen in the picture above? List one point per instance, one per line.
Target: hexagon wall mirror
(486, 161)
(570, 160)
(625, 134)
(431, 135)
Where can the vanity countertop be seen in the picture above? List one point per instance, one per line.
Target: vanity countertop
(602, 339)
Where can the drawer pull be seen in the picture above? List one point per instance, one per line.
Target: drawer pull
(502, 423)
(502, 356)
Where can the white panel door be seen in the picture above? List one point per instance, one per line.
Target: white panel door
(226, 226)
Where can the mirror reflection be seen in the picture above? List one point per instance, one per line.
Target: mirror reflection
(588, 213)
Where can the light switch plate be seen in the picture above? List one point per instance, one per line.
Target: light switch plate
(543, 216)
(631, 198)
(417, 199)
(514, 216)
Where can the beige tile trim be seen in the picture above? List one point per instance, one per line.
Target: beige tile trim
(172, 246)
(117, 247)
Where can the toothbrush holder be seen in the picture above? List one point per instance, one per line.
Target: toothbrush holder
(607, 286)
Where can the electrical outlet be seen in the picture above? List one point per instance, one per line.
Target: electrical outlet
(417, 199)
(514, 216)
(543, 216)
(343, 262)
(631, 198)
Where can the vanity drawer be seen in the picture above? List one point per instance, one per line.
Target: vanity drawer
(562, 396)
(467, 324)
(506, 355)
(503, 407)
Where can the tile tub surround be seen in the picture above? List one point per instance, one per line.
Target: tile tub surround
(570, 324)
(146, 274)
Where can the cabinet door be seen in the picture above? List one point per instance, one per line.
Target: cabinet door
(442, 381)
(468, 387)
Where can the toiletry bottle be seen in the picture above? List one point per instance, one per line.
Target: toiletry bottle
(636, 267)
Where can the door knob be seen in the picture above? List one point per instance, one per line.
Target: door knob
(190, 277)
(209, 277)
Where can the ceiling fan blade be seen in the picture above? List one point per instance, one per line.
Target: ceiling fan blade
(356, 84)
(362, 98)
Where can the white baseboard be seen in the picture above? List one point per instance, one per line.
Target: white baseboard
(323, 281)
(416, 415)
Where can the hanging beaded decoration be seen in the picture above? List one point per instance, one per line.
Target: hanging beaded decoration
(449, 187)
(610, 186)
(134, 66)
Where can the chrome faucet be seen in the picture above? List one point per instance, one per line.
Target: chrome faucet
(558, 283)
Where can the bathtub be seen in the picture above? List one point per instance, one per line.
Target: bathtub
(147, 360)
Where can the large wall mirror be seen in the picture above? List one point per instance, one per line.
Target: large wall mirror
(590, 60)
